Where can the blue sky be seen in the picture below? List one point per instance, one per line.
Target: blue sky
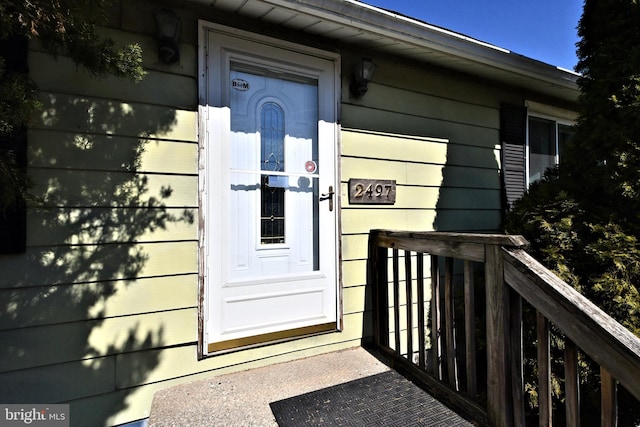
(540, 29)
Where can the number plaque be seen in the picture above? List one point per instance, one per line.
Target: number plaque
(372, 191)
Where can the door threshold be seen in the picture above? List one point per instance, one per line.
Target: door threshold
(237, 344)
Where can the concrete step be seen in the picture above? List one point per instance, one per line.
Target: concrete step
(243, 398)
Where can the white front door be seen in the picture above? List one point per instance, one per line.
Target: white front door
(270, 230)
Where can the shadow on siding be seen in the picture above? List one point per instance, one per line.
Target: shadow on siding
(94, 207)
(470, 196)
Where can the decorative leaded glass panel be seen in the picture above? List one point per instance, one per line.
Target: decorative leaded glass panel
(272, 156)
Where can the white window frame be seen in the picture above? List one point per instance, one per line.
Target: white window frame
(558, 115)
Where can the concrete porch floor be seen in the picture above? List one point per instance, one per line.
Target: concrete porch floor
(243, 398)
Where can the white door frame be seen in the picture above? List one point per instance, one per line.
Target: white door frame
(213, 113)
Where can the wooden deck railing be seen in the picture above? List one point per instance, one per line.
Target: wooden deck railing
(448, 310)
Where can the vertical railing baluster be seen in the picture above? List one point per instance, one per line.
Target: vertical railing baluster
(517, 374)
(436, 342)
(396, 302)
(409, 301)
(449, 310)
(571, 383)
(544, 371)
(421, 320)
(609, 399)
(384, 290)
(470, 330)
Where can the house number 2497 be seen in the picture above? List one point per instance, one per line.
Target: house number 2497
(372, 191)
(368, 192)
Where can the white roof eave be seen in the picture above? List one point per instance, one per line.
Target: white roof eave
(490, 61)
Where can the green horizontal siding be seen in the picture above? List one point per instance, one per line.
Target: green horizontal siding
(95, 301)
(71, 264)
(62, 150)
(87, 115)
(52, 226)
(84, 340)
(95, 188)
(62, 76)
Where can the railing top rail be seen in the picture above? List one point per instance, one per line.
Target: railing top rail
(466, 246)
(478, 238)
(605, 340)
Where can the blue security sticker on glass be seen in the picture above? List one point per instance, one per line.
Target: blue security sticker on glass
(278, 181)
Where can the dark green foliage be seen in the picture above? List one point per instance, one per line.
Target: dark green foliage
(62, 27)
(68, 27)
(606, 153)
(583, 219)
(18, 99)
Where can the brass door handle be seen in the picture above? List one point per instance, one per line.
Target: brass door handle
(328, 196)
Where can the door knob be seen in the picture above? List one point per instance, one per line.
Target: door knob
(328, 196)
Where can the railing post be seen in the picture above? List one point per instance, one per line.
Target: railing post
(378, 277)
(499, 405)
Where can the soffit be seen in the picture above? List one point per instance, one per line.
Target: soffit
(353, 22)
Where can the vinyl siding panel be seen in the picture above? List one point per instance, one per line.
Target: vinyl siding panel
(95, 188)
(438, 83)
(59, 383)
(364, 117)
(364, 220)
(41, 233)
(112, 299)
(66, 150)
(354, 247)
(111, 261)
(93, 117)
(393, 147)
(50, 266)
(411, 102)
(354, 298)
(62, 76)
(402, 172)
(86, 340)
(354, 273)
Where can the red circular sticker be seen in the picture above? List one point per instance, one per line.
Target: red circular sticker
(310, 166)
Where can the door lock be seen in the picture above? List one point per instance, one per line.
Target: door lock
(329, 197)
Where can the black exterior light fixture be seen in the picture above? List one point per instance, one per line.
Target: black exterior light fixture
(362, 75)
(168, 27)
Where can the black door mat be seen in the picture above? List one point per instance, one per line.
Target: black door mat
(386, 399)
